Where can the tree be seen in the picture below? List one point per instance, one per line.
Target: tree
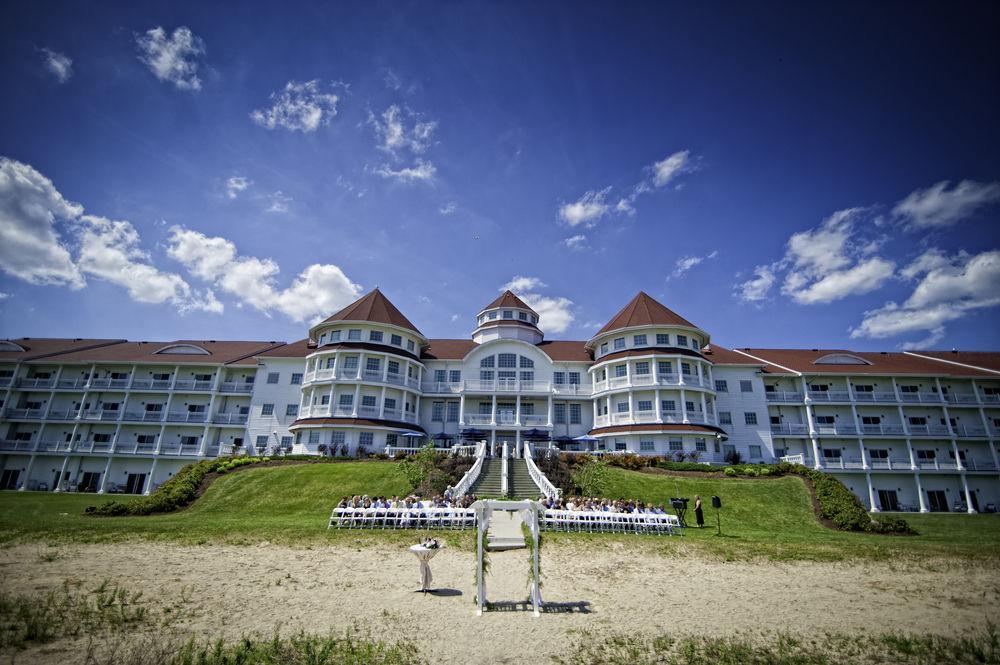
(591, 476)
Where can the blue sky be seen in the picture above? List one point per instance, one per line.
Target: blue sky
(779, 175)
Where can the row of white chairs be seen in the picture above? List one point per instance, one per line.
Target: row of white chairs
(403, 518)
(612, 522)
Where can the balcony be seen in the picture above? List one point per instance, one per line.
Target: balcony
(886, 429)
(367, 412)
(24, 414)
(784, 397)
(842, 463)
(890, 463)
(790, 429)
(104, 415)
(990, 399)
(135, 448)
(150, 384)
(17, 445)
(187, 417)
(478, 419)
(54, 446)
(961, 398)
(35, 384)
(937, 465)
(236, 387)
(180, 449)
(192, 386)
(534, 421)
(966, 431)
(829, 396)
(582, 389)
(928, 430)
(235, 418)
(506, 385)
(874, 397)
(71, 384)
(6, 381)
(836, 430)
(143, 416)
(108, 384)
(441, 387)
(920, 398)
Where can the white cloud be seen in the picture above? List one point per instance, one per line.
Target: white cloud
(575, 243)
(758, 287)
(58, 64)
(31, 248)
(947, 288)
(864, 277)
(685, 263)
(455, 317)
(173, 58)
(669, 168)
(278, 202)
(939, 207)
(519, 283)
(392, 80)
(4, 296)
(421, 171)
(448, 208)
(588, 210)
(933, 338)
(317, 291)
(301, 106)
(554, 312)
(394, 136)
(237, 184)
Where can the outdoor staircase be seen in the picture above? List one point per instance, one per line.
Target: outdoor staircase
(505, 531)
(519, 481)
(489, 481)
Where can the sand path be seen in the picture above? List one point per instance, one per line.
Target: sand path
(233, 590)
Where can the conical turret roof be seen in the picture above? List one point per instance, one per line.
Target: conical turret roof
(508, 299)
(376, 308)
(644, 310)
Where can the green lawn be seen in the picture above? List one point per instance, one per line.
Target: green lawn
(769, 518)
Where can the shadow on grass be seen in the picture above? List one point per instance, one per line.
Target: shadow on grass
(577, 607)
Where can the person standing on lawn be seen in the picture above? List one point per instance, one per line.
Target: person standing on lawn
(699, 516)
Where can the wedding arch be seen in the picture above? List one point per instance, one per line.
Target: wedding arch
(529, 514)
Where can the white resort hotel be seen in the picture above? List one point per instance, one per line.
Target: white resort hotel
(904, 431)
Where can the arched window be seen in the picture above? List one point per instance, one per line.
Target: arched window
(183, 350)
(507, 360)
(840, 359)
(11, 346)
(527, 363)
(486, 362)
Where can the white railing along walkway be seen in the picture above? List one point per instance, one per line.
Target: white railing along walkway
(470, 477)
(613, 522)
(544, 484)
(794, 459)
(402, 518)
(503, 471)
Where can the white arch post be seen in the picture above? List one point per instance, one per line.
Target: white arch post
(529, 513)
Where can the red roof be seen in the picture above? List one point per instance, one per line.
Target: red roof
(35, 348)
(643, 310)
(507, 299)
(981, 359)
(565, 351)
(374, 308)
(720, 355)
(447, 349)
(299, 349)
(146, 352)
(875, 362)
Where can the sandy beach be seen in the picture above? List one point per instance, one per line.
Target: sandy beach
(227, 591)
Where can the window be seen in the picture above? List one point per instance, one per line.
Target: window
(396, 340)
(506, 360)
(455, 376)
(574, 378)
(437, 411)
(523, 316)
(775, 420)
(721, 386)
(330, 362)
(682, 340)
(161, 377)
(391, 439)
(485, 375)
(485, 408)
(909, 389)
(262, 439)
(491, 315)
(267, 409)
(644, 405)
(527, 376)
(780, 452)
(559, 378)
(619, 343)
(574, 414)
(819, 387)
(375, 336)
(506, 374)
(668, 405)
(410, 345)
(393, 366)
(439, 375)
(689, 405)
(662, 339)
(871, 420)
(146, 439)
(620, 445)
(291, 410)
(368, 400)
(337, 438)
(534, 319)
(354, 335)
(925, 454)
(676, 444)
(621, 370)
(664, 367)
(750, 418)
(695, 344)
(878, 453)
(527, 363)
(373, 365)
(325, 400)
(453, 412)
(486, 362)
(831, 453)
(313, 437)
(507, 314)
(559, 413)
(642, 367)
(746, 386)
(725, 418)
(154, 408)
(755, 452)
(824, 420)
(646, 446)
(686, 369)
(365, 439)
(346, 400)
(286, 442)
(351, 363)
(334, 335)
(864, 388)
(604, 348)
(296, 378)
(622, 407)
(273, 377)
(638, 340)
(528, 409)
(389, 403)
(700, 446)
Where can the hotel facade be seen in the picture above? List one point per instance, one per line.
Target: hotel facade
(904, 431)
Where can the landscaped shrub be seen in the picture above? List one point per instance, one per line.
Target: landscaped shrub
(686, 466)
(177, 492)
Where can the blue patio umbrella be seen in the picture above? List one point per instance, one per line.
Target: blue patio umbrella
(536, 435)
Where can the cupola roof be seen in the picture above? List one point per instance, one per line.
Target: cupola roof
(375, 308)
(644, 310)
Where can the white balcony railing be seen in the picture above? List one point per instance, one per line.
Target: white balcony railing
(922, 398)
(583, 389)
(790, 429)
(151, 384)
(534, 421)
(230, 418)
(143, 416)
(784, 396)
(187, 417)
(884, 429)
(829, 396)
(478, 419)
(961, 398)
(874, 396)
(441, 387)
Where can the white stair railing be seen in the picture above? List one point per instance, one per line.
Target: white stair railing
(470, 477)
(544, 484)
(794, 459)
(503, 471)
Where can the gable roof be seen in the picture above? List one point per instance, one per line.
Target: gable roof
(507, 299)
(566, 351)
(881, 363)
(989, 360)
(35, 348)
(374, 308)
(644, 310)
(219, 353)
(447, 349)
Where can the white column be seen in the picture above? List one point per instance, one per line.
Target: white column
(920, 494)
(149, 481)
(357, 398)
(27, 474)
(701, 381)
(909, 450)
(864, 459)
(493, 417)
(958, 459)
(517, 410)
(656, 371)
(684, 407)
(461, 410)
(381, 404)
(631, 406)
(550, 412)
(968, 495)
(659, 404)
(385, 368)
(104, 476)
(680, 375)
(62, 471)
(704, 411)
(871, 493)
(813, 437)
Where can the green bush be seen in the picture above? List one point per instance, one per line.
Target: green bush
(686, 466)
(177, 492)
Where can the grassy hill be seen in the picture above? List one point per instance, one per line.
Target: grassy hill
(770, 517)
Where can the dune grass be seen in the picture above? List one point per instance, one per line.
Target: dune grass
(768, 517)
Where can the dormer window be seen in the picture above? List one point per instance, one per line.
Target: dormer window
(534, 319)
(354, 335)
(409, 345)
(396, 340)
(619, 343)
(183, 350)
(507, 314)
(492, 315)
(682, 340)
(523, 316)
(11, 347)
(840, 359)
(694, 344)
(638, 340)
(482, 320)
(334, 335)
(604, 348)
(662, 339)
(375, 336)
(322, 339)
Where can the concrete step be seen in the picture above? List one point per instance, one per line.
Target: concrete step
(505, 531)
